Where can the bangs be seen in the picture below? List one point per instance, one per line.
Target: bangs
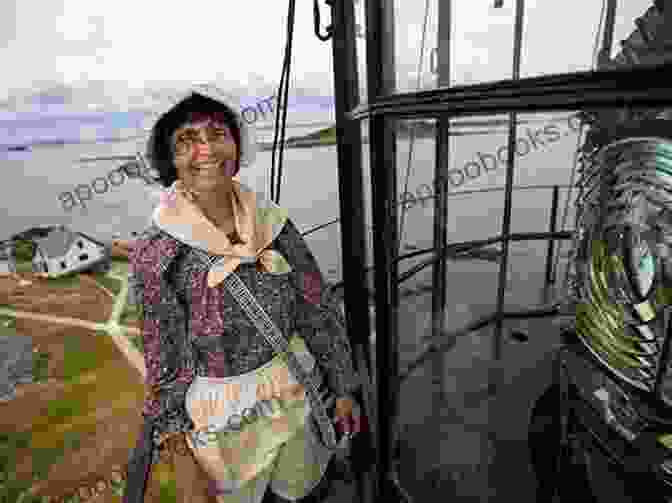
(196, 105)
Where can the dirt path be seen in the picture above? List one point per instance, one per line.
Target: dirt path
(134, 357)
(112, 327)
(119, 335)
(60, 320)
(116, 331)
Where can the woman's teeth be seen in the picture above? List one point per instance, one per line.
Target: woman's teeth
(205, 168)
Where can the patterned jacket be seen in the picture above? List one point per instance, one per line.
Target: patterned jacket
(191, 329)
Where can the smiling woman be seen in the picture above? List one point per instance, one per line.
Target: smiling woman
(208, 216)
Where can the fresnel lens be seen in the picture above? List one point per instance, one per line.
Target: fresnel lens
(622, 276)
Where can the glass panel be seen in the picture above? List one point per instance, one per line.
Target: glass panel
(471, 216)
(415, 35)
(444, 446)
(360, 37)
(442, 401)
(555, 39)
(366, 180)
(481, 43)
(368, 223)
(546, 31)
(445, 398)
(416, 149)
(546, 144)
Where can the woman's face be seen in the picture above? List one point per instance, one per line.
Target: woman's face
(205, 153)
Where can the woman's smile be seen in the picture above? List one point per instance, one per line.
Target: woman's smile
(206, 169)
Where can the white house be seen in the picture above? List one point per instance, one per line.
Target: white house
(64, 251)
(7, 258)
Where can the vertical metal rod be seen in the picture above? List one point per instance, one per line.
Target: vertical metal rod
(441, 164)
(353, 231)
(442, 161)
(550, 271)
(564, 407)
(440, 234)
(383, 148)
(608, 38)
(495, 369)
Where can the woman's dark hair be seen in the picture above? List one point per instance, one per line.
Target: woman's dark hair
(160, 149)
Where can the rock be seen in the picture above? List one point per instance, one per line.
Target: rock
(16, 364)
(101, 486)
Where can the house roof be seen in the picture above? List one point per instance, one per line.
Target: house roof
(93, 240)
(58, 242)
(7, 253)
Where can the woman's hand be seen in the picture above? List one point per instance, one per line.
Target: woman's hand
(349, 419)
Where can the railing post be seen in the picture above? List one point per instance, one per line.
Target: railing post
(550, 272)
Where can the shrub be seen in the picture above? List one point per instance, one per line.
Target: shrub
(40, 366)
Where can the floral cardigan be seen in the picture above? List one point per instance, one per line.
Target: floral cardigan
(192, 329)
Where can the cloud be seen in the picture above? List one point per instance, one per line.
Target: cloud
(132, 45)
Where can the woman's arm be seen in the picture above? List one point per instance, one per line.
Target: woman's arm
(318, 318)
(163, 324)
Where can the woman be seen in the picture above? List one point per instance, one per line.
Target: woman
(218, 392)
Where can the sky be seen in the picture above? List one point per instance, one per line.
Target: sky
(115, 53)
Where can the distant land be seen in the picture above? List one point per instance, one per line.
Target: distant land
(420, 128)
(327, 136)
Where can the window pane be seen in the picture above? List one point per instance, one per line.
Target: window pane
(480, 38)
(445, 398)
(555, 40)
(360, 30)
(549, 48)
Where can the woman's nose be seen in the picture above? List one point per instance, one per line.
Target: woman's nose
(201, 147)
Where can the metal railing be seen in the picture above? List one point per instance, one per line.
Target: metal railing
(464, 248)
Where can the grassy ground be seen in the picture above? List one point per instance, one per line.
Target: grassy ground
(76, 363)
(23, 250)
(40, 366)
(24, 266)
(7, 325)
(137, 342)
(112, 284)
(74, 426)
(131, 313)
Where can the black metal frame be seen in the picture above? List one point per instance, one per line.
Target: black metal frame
(353, 230)
(609, 88)
(601, 89)
(382, 149)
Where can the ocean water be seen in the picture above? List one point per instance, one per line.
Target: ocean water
(37, 185)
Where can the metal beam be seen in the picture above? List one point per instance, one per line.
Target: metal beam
(442, 164)
(496, 369)
(608, 88)
(381, 82)
(351, 200)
